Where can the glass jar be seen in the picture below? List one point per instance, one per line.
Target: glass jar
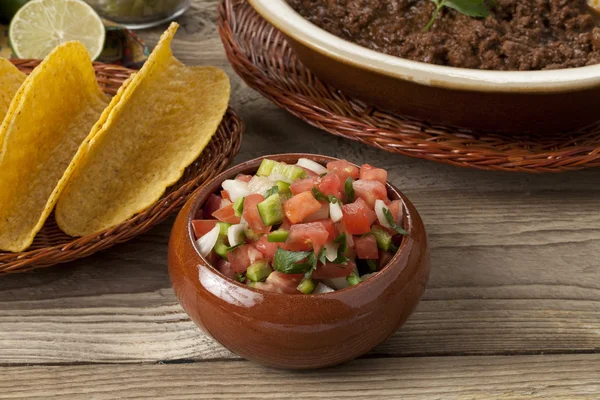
(140, 14)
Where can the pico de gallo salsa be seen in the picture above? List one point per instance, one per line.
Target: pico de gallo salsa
(303, 228)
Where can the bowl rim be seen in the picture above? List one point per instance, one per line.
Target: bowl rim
(279, 14)
(204, 192)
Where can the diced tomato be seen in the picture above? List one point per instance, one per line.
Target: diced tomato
(304, 237)
(343, 169)
(358, 217)
(351, 252)
(213, 258)
(243, 178)
(225, 195)
(366, 247)
(226, 214)
(330, 270)
(322, 213)
(225, 268)
(203, 226)
(396, 210)
(285, 225)
(284, 283)
(330, 184)
(370, 173)
(267, 287)
(244, 256)
(384, 258)
(299, 207)
(370, 191)
(309, 173)
(328, 225)
(302, 185)
(267, 248)
(251, 214)
(213, 203)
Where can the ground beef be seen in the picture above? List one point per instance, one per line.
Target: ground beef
(517, 35)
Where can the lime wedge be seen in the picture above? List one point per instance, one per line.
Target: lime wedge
(41, 25)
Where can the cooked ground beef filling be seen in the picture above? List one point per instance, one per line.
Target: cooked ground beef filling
(517, 35)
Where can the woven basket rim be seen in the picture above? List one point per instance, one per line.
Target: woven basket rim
(227, 140)
(260, 55)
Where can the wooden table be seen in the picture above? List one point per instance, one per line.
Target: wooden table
(512, 309)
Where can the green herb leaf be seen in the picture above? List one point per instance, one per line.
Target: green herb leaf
(470, 8)
(322, 258)
(390, 220)
(343, 243)
(349, 189)
(312, 261)
(289, 262)
(272, 191)
(323, 174)
(240, 277)
(342, 248)
(319, 195)
(334, 200)
(235, 247)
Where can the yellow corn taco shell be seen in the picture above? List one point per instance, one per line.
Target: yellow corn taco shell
(158, 123)
(10, 81)
(51, 115)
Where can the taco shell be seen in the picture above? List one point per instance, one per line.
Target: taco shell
(158, 124)
(10, 81)
(46, 122)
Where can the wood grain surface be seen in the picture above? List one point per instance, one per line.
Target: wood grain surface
(515, 274)
(531, 377)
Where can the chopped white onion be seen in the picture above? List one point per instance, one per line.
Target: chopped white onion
(331, 251)
(312, 166)
(236, 189)
(323, 213)
(335, 211)
(207, 242)
(259, 184)
(321, 288)
(367, 276)
(235, 234)
(379, 207)
(337, 283)
(349, 240)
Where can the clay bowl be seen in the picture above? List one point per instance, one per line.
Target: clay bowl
(297, 331)
(503, 101)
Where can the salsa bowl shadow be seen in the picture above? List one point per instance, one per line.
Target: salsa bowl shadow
(548, 101)
(297, 331)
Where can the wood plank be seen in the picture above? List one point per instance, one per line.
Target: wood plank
(517, 377)
(515, 265)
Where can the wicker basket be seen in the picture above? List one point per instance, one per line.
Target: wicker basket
(51, 246)
(261, 56)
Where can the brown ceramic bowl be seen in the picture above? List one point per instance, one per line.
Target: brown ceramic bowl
(503, 101)
(297, 331)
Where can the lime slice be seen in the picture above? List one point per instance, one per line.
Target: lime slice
(41, 25)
